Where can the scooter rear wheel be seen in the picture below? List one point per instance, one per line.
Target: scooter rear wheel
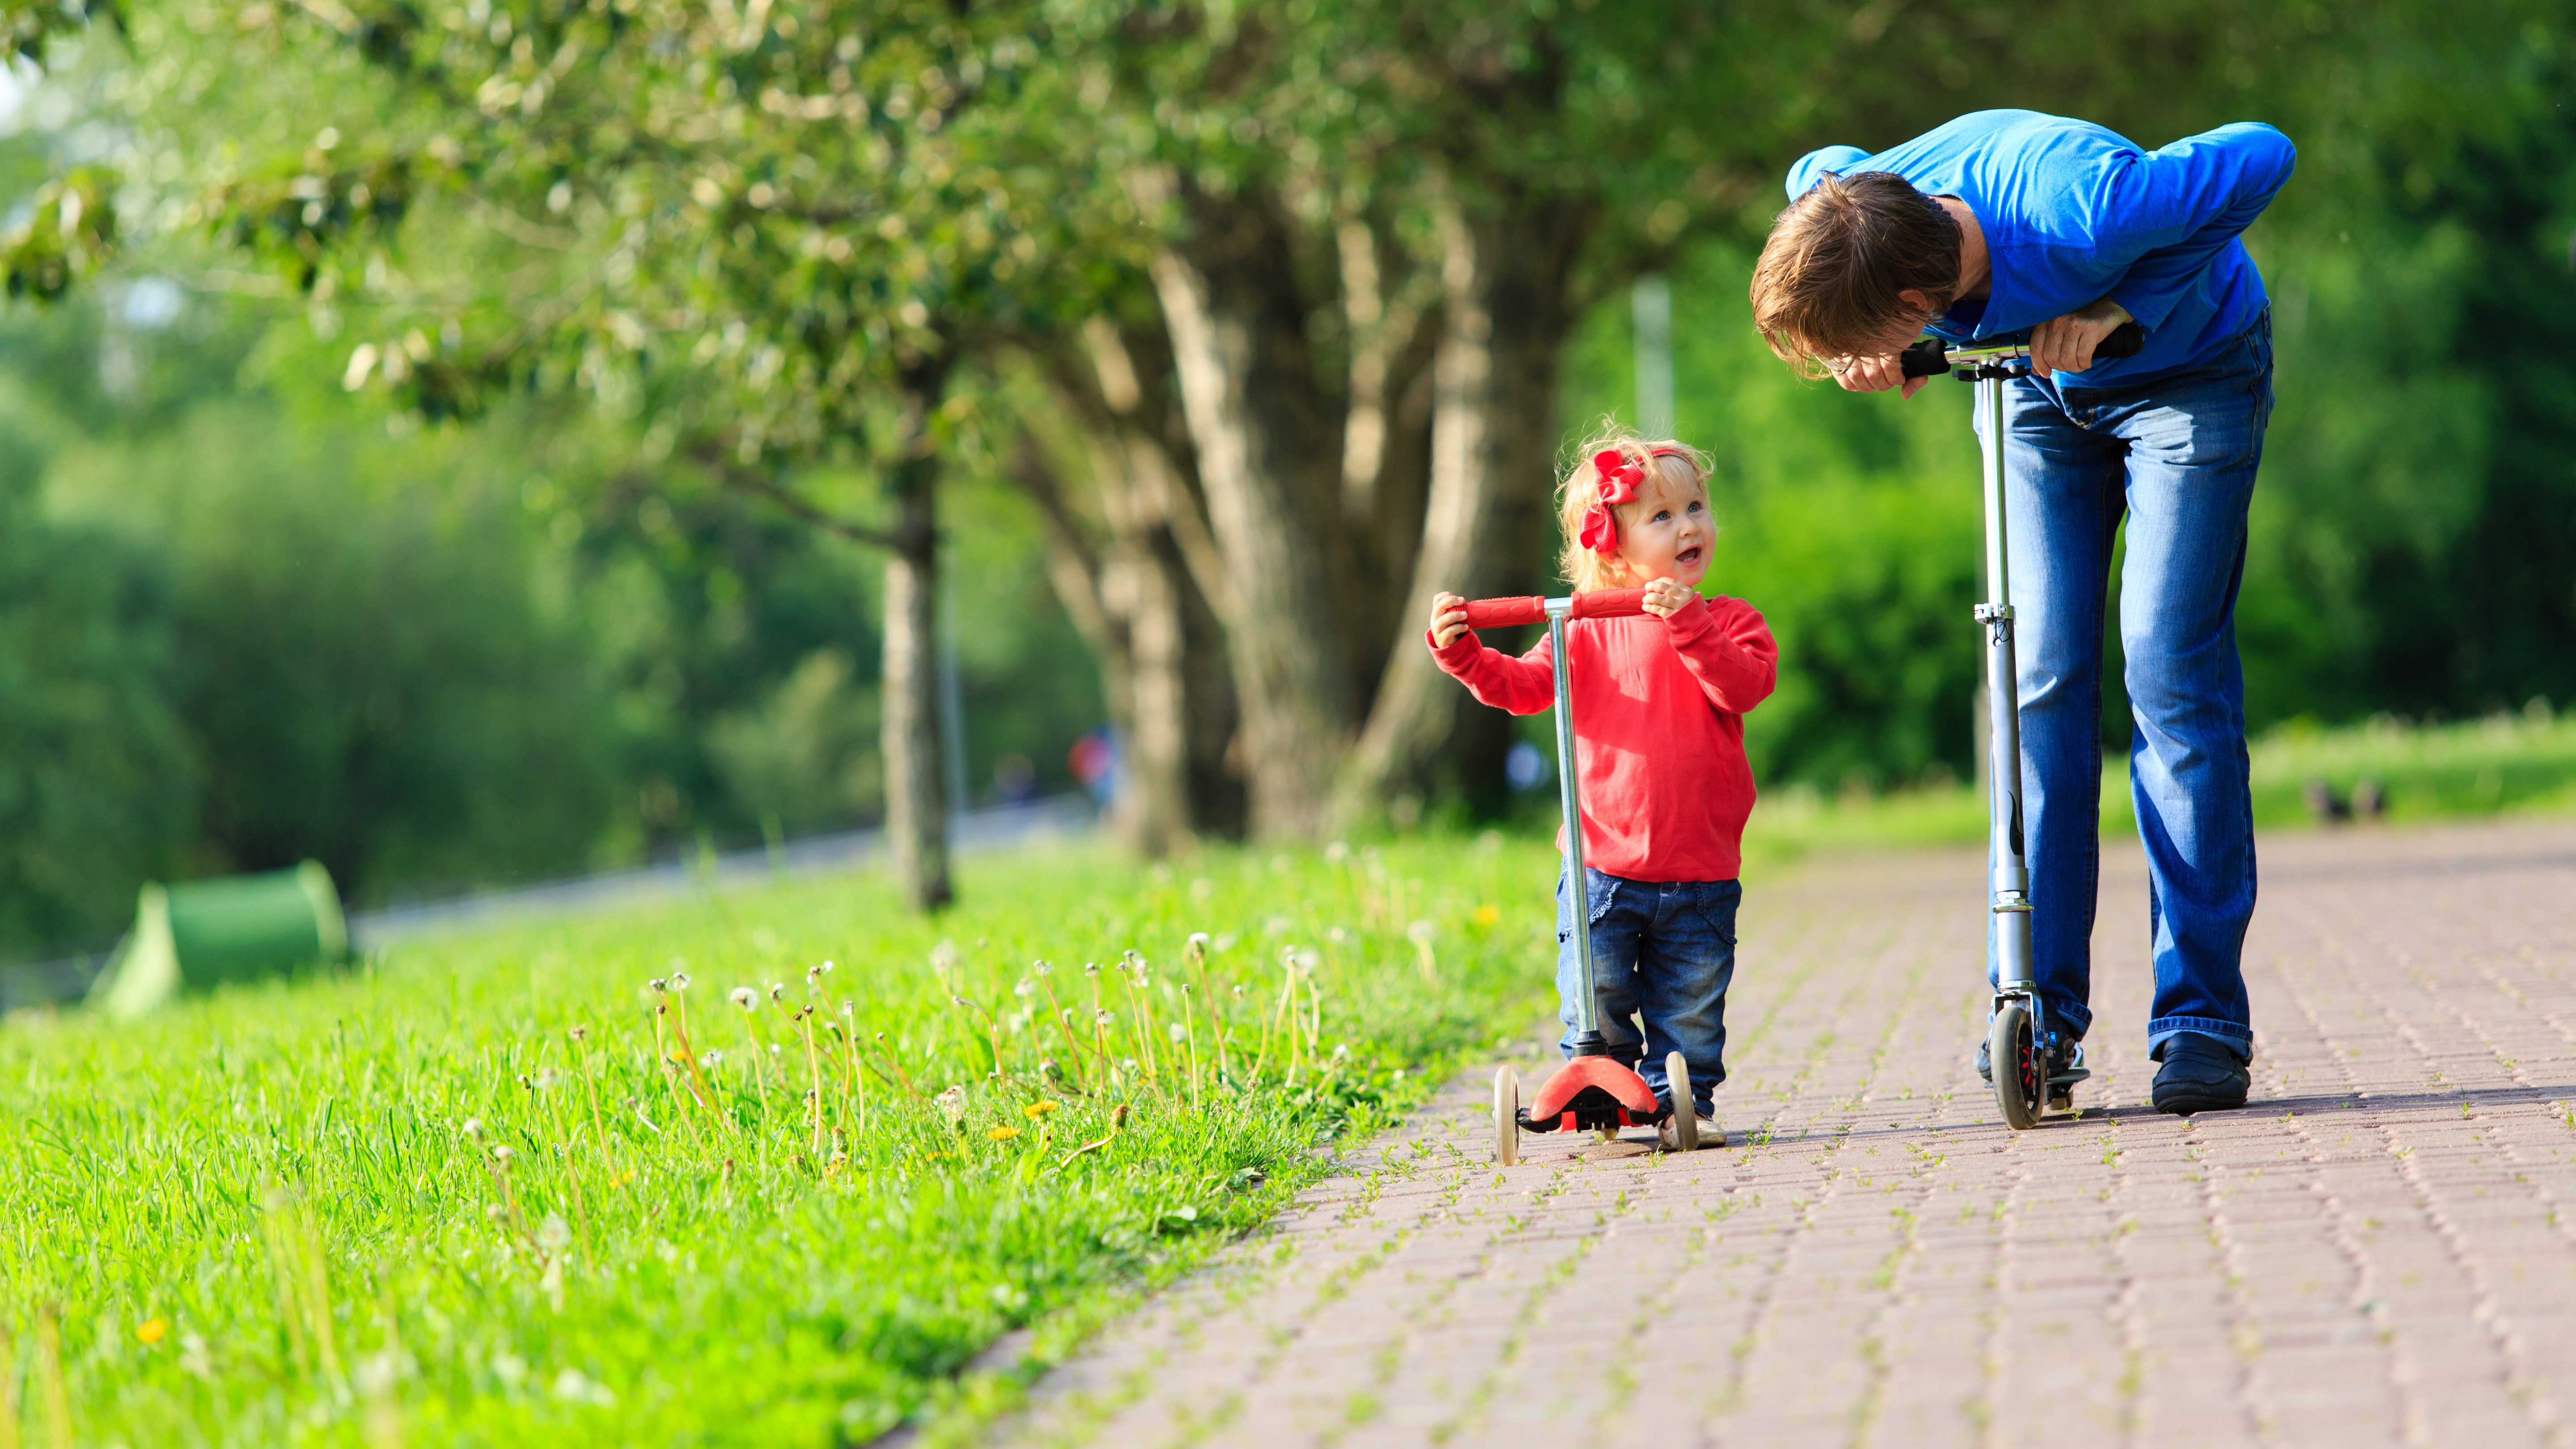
(1685, 1115)
(2014, 1057)
(1507, 1112)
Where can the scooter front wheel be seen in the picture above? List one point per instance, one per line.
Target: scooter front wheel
(1685, 1117)
(2014, 1056)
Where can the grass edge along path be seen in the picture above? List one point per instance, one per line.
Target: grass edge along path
(664, 1178)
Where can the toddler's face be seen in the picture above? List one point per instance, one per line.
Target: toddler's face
(1664, 532)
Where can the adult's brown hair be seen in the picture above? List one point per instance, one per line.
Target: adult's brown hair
(1830, 276)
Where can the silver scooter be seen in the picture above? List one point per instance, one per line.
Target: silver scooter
(2018, 1036)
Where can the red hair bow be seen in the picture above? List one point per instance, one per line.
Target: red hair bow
(1618, 483)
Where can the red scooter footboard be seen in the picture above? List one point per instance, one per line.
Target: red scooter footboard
(1589, 1093)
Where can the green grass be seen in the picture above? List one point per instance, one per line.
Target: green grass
(2507, 764)
(404, 1204)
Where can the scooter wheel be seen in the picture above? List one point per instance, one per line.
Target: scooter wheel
(2015, 1058)
(1685, 1115)
(1507, 1111)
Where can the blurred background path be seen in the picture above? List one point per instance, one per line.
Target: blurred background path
(2377, 1250)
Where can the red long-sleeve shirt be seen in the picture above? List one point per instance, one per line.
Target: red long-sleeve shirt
(1659, 709)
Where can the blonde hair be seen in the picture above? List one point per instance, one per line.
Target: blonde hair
(1678, 466)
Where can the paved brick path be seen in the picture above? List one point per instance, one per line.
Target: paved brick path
(2380, 1249)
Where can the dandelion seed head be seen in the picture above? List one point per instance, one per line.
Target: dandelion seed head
(714, 1059)
(1104, 1016)
(1177, 1032)
(1420, 932)
(680, 981)
(524, 1081)
(957, 1001)
(1199, 942)
(503, 1153)
(579, 1033)
(473, 1128)
(1042, 967)
(1337, 852)
(1090, 968)
(827, 968)
(778, 991)
(1026, 988)
(658, 985)
(744, 997)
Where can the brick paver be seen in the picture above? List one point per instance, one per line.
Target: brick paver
(2377, 1250)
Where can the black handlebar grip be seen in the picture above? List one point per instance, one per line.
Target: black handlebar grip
(1927, 358)
(2126, 340)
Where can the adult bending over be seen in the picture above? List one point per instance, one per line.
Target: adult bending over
(2004, 222)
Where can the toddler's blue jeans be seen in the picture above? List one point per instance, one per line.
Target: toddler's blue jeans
(2175, 457)
(1663, 951)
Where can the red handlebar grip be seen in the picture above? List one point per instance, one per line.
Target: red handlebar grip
(1600, 604)
(1504, 613)
(1610, 604)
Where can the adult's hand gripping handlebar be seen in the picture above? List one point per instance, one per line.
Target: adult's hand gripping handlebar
(2008, 357)
(1600, 604)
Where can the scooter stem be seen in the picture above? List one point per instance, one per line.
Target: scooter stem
(2010, 881)
(1587, 1012)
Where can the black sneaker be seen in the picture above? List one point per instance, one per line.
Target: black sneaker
(2200, 1074)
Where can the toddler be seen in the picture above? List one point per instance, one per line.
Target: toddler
(1659, 705)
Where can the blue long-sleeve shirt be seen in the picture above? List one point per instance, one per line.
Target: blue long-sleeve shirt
(2073, 212)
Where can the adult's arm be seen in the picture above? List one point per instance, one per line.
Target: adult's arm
(2165, 215)
(1728, 648)
(1525, 685)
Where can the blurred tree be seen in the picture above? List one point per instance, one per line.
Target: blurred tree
(1379, 223)
(769, 236)
(97, 788)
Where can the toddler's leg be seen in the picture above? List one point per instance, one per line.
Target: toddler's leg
(1685, 962)
(1618, 909)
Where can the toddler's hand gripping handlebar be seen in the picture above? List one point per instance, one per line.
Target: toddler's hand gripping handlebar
(1600, 604)
(2007, 357)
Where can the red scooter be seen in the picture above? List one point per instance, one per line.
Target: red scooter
(1595, 1091)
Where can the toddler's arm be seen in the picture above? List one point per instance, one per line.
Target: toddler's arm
(1525, 685)
(1728, 649)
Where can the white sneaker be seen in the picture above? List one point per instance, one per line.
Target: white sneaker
(1710, 1135)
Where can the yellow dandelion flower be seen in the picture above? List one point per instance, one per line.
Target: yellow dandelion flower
(1003, 1134)
(151, 1330)
(1035, 1110)
(1486, 915)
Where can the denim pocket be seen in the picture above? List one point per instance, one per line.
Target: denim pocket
(1599, 894)
(1716, 901)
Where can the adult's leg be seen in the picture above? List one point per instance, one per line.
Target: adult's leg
(1620, 909)
(2193, 451)
(2062, 509)
(1685, 962)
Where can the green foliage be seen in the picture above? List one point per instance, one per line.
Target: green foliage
(278, 1212)
(97, 786)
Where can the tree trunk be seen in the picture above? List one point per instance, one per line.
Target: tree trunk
(916, 812)
(1507, 281)
(1269, 460)
(1126, 578)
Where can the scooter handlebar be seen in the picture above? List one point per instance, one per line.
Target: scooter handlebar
(1931, 356)
(1599, 604)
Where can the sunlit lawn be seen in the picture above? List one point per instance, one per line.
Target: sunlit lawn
(489, 1192)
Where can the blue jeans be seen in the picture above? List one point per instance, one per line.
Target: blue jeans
(1663, 949)
(2176, 456)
